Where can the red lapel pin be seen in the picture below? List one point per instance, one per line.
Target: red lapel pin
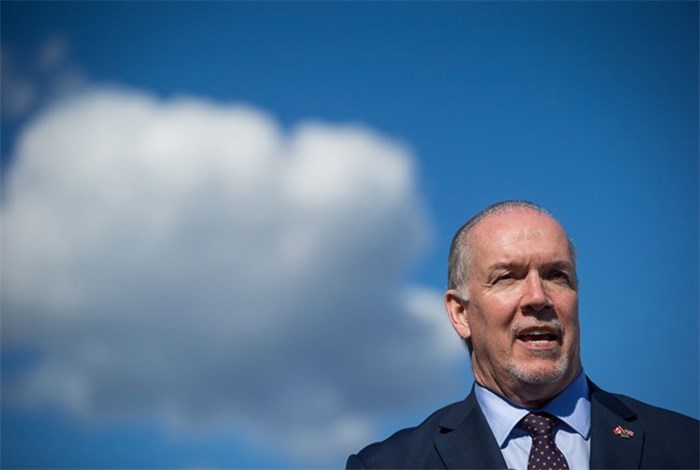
(622, 432)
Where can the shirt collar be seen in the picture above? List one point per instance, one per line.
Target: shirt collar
(572, 406)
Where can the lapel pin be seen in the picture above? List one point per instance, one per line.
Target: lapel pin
(622, 432)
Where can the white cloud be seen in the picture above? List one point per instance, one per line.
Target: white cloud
(192, 262)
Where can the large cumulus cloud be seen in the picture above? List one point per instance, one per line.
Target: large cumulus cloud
(195, 263)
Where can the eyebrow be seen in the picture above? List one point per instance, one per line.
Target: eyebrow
(561, 264)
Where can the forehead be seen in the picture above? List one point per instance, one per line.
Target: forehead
(518, 233)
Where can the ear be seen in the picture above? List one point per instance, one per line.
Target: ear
(457, 311)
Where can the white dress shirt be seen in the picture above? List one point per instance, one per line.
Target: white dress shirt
(572, 406)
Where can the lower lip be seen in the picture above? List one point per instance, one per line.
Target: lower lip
(539, 345)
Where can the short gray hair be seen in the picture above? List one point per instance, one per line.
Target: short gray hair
(459, 257)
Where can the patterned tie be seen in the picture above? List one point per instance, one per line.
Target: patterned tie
(544, 453)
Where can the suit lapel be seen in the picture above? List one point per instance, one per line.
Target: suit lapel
(608, 448)
(466, 440)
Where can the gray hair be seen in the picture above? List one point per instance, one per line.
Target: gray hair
(459, 257)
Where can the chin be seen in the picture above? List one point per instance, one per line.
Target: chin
(540, 373)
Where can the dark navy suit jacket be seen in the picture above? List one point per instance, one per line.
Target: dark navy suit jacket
(458, 436)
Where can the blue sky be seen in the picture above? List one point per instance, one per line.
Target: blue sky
(225, 225)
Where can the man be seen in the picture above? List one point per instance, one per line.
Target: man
(513, 297)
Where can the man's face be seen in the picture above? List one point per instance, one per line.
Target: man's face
(522, 309)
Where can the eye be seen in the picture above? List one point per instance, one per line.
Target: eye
(559, 276)
(504, 277)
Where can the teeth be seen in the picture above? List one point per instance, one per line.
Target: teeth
(540, 334)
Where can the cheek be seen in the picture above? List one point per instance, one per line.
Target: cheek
(501, 311)
(568, 309)
(569, 317)
(566, 302)
(492, 318)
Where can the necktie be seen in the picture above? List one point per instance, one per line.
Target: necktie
(544, 453)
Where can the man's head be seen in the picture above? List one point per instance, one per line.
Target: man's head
(512, 296)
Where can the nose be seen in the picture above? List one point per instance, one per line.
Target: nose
(535, 296)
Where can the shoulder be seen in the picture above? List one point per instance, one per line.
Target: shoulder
(407, 448)
(644, 413)
(664, 419)
(669, 439)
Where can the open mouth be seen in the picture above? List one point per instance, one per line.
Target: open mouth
(540, 337)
